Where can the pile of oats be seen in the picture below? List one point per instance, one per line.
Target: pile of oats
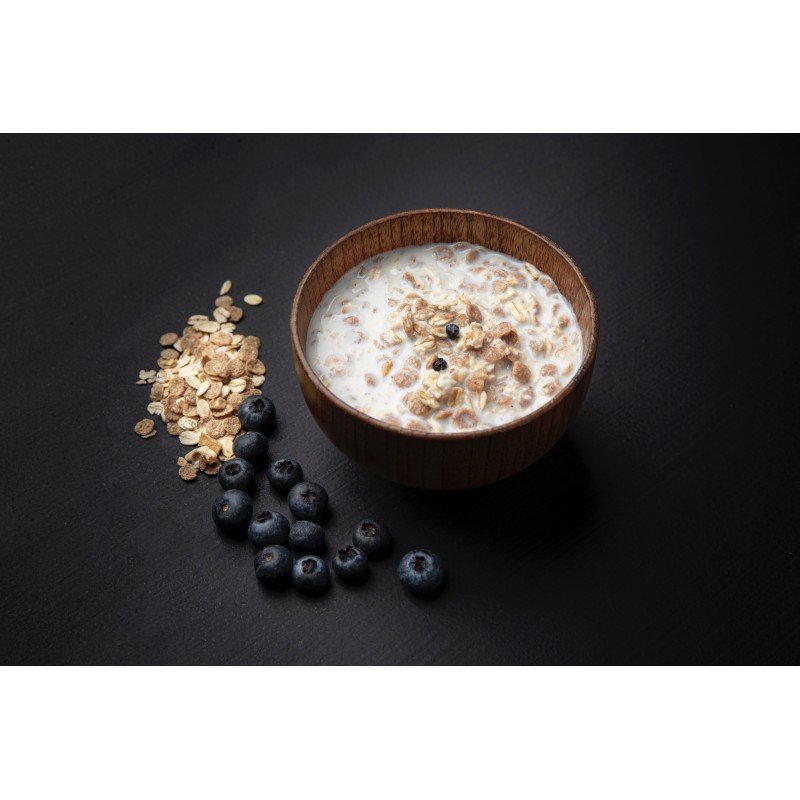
(203, 375)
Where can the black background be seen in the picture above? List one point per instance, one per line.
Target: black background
(662, 529)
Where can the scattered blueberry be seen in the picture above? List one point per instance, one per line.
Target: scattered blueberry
(268, 527)
(257, 413)
(237, 474)
(439, 364)
(310, 575)
(420, 571)
(307, 537)
(232, 511)
(351, 564)
(284, 474)
(253, 447)
(373, 538)
(308, 501)
(273, 565)
(451, 329)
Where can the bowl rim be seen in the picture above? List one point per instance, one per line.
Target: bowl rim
(589, 353)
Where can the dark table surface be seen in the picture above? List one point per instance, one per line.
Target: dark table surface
(662, 529)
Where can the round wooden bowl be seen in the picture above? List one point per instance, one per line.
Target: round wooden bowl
(435, 460)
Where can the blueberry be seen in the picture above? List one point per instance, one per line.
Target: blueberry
(373, 538)
(273, 565)
(284, 474)
(351, 564)
(232, 511)
(268, 527)
(439, 364)
(451, 329)
(307, 537)
(238, 474)
(253, 447)
(257, 413)
(420, 571)
(308, 501)
(310, 575)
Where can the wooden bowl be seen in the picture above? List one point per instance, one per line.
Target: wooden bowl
(434, 460)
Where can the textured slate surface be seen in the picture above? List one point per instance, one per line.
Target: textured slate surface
(663, 528)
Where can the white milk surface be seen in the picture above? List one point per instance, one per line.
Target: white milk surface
(376, 333)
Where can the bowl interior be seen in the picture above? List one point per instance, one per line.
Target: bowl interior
(444, 225)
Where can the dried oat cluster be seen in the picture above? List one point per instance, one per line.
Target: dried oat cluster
(203, 375)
